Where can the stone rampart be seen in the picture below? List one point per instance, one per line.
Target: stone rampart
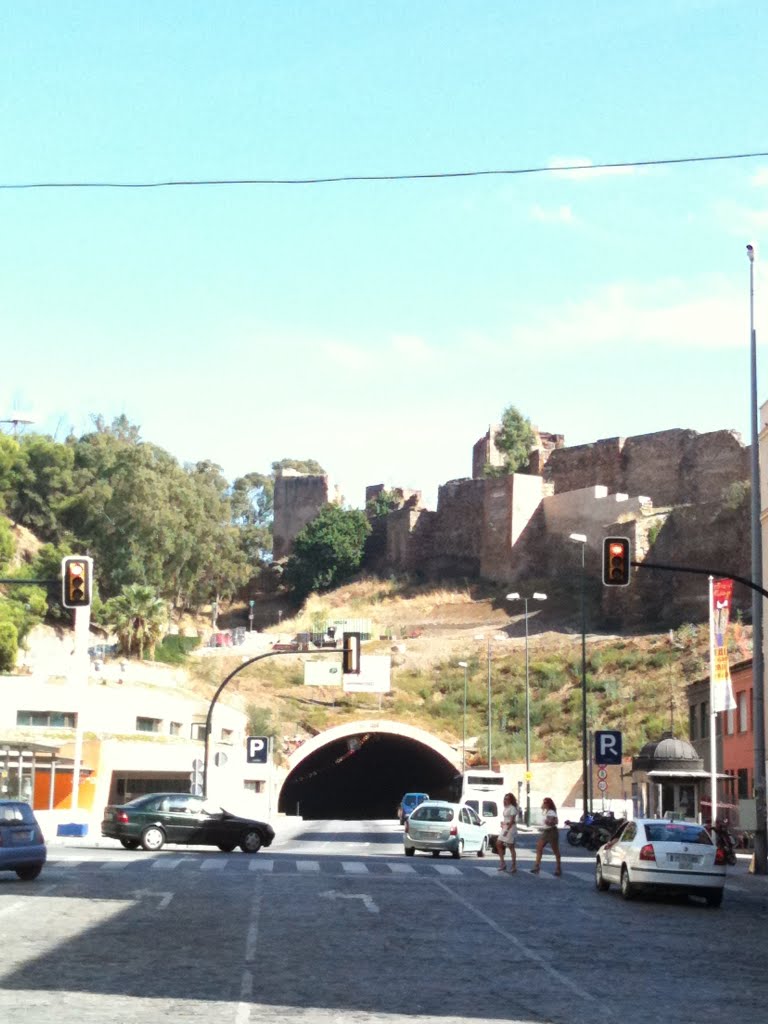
(297, 499)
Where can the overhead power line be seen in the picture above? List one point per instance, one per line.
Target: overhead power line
(549, 169)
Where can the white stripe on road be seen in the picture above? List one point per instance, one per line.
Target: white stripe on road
(354, 867)
(307, 866)
(213, 864)
(446, 869)
(166, 863)
(401, 869)
(261, 864)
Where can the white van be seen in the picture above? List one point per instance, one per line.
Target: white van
(490, 807)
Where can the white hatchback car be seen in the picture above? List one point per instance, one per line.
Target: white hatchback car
(665, 856)
(437, 826)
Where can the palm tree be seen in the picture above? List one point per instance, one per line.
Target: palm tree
(138, 616)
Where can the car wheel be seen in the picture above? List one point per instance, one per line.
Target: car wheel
(600, 882)
(714, 897)
(251, 841)
(627, 889)
(152, 838)
(435, 853)
(29, 873)
(227, 847)
(409, 851)
(130, 844)
(483, 847)
(456, 854)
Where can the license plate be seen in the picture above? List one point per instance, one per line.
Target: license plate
(431, 835)
(684, 860)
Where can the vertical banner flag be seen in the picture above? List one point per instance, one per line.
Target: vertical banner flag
(719, 615)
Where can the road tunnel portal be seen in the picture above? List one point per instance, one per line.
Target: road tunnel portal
(361, 770)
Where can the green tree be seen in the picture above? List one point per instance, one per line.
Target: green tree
(251, 501)
(308, 466)
(41, 482)
(514, 439)
(138, 617)
(328, 551)
(382, 503)
(9, 646)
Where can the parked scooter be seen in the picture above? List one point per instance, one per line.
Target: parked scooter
(725, 839)
(604, 827)
(577, 830)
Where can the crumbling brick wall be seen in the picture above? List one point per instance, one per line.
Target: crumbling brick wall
(297, 500)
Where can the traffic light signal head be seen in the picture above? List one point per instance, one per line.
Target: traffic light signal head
(350, 658)
(616, 559)
(76, 581)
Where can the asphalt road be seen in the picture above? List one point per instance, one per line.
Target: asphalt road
(333, 925)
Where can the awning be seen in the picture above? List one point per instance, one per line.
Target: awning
(693, 774)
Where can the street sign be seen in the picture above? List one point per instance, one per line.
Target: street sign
(257, 749)
(602, 773)
(528, 776)
(602, 785)
(608, 746)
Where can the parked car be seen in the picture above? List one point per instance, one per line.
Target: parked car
(158, 818)
(409, 803)
(22, 845)
(662, 856)
(436, 826)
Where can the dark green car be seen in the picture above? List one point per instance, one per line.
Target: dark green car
(153, 820)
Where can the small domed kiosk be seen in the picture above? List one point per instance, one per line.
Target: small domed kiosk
(668, 778)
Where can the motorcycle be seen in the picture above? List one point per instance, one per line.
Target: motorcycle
(725, 839)
(577, 830)
(603, 828)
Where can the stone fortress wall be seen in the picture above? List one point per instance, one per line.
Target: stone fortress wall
(501, 529)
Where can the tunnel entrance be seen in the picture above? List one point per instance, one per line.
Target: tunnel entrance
(364, 774)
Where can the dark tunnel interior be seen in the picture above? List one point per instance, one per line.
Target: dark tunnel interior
(364, 777)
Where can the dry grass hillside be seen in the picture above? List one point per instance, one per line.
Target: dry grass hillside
(636, 683)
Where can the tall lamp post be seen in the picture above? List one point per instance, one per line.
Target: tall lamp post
(534, 597)
(758, 669)
(464, 665)
(581, 538)
(479, 636)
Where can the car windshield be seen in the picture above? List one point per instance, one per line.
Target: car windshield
(432, 814)
(12, 814)
(677, 832)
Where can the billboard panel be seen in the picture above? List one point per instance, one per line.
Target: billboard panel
(374, 677)
(322, 673)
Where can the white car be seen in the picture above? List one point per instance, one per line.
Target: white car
(436, 826)
(665, 856)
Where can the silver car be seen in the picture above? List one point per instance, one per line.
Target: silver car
(437, 826)
(662, 856)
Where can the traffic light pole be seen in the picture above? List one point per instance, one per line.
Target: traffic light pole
(758, 718)
(222, 687)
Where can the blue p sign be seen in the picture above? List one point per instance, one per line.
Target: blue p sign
(608, 746)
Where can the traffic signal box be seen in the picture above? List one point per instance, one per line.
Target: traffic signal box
(350, 658)
(76, 581)
(616, 559)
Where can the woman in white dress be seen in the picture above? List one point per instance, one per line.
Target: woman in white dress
(508, 834)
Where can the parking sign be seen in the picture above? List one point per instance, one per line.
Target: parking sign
(608, 746)
(257, 749)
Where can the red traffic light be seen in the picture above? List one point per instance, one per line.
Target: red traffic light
(616, 561)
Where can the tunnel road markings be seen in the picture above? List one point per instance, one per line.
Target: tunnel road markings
(368, 901)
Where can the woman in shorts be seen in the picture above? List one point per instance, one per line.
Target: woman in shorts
(508, 834)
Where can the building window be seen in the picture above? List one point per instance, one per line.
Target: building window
(731, 721)
(197, 731)
(692, 722)
(48, 719)
(148, 724)
(704, 708)
(743, 713)
(175, 728)
(251, 786)
(227, 736)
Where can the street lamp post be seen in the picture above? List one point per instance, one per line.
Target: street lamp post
(534, 597)
(463, 664)
(581, 538)
(758, 668)
(490, 705)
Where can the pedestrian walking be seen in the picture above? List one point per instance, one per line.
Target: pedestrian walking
(508, 835)
(549, 835)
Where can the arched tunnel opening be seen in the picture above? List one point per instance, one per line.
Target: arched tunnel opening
(364, 777)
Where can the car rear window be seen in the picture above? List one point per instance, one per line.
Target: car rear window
(10, 814)
(677, 832)
(432, 814)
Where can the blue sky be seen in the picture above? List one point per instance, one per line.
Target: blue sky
(380, 327)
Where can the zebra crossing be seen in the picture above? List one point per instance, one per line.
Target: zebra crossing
(260, 864)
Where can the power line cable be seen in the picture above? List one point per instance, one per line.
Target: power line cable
(339, 179)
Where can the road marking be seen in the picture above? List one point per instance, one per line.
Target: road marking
(165, 897)
(401, 869)
(213, 864)
(166, 863)
(446, 869)
(261, 864)
(526, 951)
(354, 867)
(368, 902)
(117, 865)
(307, 865)
(11, 907)
(243, 1009)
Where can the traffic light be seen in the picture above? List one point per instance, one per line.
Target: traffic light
(350, 657)
(616, 558)
(76, 581)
